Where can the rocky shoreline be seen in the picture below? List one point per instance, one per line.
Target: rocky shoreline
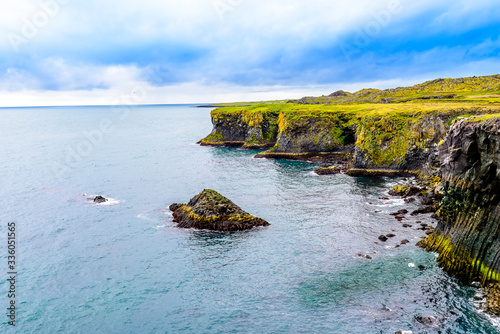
(452, 150)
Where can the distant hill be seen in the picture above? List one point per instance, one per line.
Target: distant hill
(435, 89)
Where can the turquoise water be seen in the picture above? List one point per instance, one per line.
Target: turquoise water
(125, 268)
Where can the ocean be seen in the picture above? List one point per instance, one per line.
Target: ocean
(123, 266)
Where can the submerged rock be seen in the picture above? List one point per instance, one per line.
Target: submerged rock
(427, 320)
(382, 238)
(401, 212)
(410, 200)
(425, 209)
(212, 211)
(100, 199)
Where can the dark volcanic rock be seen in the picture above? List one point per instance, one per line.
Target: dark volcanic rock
(210, 210)
(427, 320)
(425, 209)
(100, 199)
(467, 234)
(410, 200)
(382, 238)
(400, 212)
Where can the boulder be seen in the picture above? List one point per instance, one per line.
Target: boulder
(382, 238)
(100, 199)
(212, 211)
(405, 190)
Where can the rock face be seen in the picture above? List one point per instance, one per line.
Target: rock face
(241, 127)
(468, 234)
(325, 132)
(212, 211)
(400, 142)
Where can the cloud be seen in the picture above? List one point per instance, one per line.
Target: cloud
(96, 46)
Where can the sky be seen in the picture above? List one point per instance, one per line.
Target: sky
(105, 52)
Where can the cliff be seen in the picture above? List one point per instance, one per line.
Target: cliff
(255, 127)
(375, 136)
(468, 235)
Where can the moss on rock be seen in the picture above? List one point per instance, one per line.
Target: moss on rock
(212, 211)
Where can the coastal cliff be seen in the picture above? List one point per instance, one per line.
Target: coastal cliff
(394, 129)
(397, 137)
(251, 128)
(468, 234)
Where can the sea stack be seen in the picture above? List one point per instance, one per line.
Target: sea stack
(212, 211)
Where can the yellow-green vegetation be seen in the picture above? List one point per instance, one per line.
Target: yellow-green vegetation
(214, 218)
(210, 210)
(462, 89)
(213, 137)
(483, 118)
(458, 261)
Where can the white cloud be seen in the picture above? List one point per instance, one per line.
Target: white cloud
(84, 53)
(128, 89)
(282, 22)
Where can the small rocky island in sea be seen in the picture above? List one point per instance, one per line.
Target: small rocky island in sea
(212, 211)
(444, 132)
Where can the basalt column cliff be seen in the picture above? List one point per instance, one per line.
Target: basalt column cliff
(468, 235)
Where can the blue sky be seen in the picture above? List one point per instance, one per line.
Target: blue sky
(66, 52)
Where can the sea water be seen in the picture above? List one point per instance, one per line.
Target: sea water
(123, 266)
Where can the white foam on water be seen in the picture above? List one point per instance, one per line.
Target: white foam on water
(411, 265)
(389, 203)
(478, 301)
(110, 201)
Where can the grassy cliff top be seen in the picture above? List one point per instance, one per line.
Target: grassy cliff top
(483, 118)
(451, 97)
(365, 110)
